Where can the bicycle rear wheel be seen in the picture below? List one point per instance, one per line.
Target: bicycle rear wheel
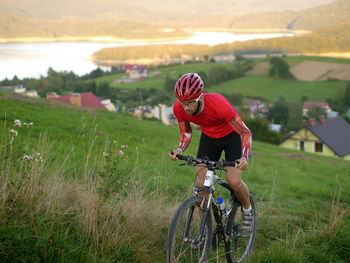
(182, 243)
(238, 248)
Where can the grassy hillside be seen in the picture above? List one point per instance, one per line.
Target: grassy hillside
(312, 19)
(272, 88)
(87, 202)
(250, 85)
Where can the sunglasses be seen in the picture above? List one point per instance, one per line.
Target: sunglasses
(189, 103)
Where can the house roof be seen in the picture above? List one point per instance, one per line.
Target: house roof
(309, 105)
(88, 99)
(335, 133)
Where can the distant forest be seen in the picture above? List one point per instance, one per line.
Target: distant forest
(331, 39)
(12, 27)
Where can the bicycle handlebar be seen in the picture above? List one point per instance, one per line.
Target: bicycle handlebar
(213, 165)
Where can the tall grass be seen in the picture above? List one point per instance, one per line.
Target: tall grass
(321, 242)
(103, 190)
(53, 216)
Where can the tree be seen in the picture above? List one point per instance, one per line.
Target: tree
(169, 83)
(279, 68)
(279, 112)
(295, 117)
(315, 112)
(347, 95)
(104, 90)
(261, 132)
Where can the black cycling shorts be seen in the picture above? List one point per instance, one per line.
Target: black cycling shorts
(213, 148)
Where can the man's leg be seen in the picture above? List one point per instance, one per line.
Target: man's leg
(234, 178)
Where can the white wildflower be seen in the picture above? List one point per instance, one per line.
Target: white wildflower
(28, 157)
(105, 153)
(114, 142)
(14, 132)
(124, 146)
(17, 123)
(31, 124)
(121, 153)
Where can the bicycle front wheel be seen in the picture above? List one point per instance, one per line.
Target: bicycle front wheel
(184, 243)
(238, 248)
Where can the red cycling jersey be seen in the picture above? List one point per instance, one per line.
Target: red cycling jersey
(216, 119)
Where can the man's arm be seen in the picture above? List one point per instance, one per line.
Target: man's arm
(239, 126)
(184, 139)
(185, 135)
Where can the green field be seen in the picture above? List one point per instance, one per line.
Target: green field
(157, 81)
(273, 88)
(87, 203)
(265, 87)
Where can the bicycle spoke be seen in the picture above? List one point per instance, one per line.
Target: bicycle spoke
(184, 242)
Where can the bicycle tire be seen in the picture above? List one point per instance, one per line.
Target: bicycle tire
(239, 248)
(176, 249)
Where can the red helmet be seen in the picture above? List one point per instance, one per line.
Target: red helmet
(189, 87)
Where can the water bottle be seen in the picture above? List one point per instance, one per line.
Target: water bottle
(222, 206)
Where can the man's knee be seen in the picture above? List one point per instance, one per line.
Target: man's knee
(234, 178)
(201, 172)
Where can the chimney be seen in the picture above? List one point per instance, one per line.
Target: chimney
(321, 119)
(75, 99)
(311, 122)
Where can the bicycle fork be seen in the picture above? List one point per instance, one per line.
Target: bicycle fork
(206, 208)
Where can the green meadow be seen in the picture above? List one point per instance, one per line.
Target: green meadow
(81, 185)
(273, 88)
(268, 88)
(157, 81)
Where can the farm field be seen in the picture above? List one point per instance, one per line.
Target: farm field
(272, 89)
(87, 202)
(316, 70)
(255, 83)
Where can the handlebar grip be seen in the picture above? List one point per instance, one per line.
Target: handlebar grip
(227, 163)
(181, 157)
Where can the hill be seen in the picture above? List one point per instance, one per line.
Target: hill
(137, 10)
(81, 20)
(331, 39)
(312, 19)
(98, 187)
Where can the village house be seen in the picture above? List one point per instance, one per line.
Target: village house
(109, 105)
(160, 112)
(308, 105)
(329, 137)
(256, 106)
(86, 99)
(20, 89)
(136, 71)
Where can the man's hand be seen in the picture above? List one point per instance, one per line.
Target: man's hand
(173, 156)
(243, 164)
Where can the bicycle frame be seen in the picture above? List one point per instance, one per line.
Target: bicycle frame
(208, 186)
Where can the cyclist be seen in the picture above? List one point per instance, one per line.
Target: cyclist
(222, 130)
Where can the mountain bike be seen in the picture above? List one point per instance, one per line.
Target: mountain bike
(191, 233)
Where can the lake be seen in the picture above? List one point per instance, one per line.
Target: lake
(34, 59)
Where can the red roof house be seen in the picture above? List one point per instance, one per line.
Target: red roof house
(308, 105)
(86, 99)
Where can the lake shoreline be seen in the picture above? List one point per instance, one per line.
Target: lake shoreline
(111, 39)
